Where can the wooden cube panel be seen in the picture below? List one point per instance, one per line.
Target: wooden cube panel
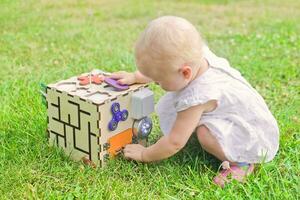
(78, 118)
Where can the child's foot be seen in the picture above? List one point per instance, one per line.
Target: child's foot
(237, 172)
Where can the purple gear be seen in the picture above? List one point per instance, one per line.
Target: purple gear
(117, 116)
(114, 83)
(124, 114)
(115, 108)
(113, 124)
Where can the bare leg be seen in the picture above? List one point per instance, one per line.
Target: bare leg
(209, 143)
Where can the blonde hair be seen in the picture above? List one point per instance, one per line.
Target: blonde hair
(169, 41)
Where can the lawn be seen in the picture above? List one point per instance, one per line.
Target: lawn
(46, 41)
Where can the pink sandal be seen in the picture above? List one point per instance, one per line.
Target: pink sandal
(238, 173)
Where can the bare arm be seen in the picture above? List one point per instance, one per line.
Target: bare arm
(140, 78)
(130, 78)
(168, 145)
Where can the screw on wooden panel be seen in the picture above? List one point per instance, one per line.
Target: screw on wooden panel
(106, 157)
(135, 140)
(106, 146)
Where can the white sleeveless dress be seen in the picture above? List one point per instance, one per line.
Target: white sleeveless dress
(242, 123)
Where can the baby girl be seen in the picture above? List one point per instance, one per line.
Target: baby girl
(205, 95)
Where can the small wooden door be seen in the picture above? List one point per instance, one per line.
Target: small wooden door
(119, 141)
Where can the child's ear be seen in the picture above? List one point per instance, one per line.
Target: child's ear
(186, 71)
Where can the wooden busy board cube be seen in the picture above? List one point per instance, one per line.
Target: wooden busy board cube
(91, 120)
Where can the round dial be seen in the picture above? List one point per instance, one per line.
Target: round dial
(143, 127)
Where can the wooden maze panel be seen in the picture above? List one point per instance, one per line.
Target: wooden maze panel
(73, 125)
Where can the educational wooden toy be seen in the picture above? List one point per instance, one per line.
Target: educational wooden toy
(92, 117)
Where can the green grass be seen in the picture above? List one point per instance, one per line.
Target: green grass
(46, 41)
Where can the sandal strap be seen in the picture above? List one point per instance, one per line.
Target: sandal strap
(236, 171)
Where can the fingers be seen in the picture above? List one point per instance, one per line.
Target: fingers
(132, 151)
(128, 148)
(123, 81)
(128, 154)
(123, 77)
(117, 75)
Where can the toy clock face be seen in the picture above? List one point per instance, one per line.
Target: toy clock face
(142, 128)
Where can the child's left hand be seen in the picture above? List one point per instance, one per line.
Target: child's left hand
(134, 152)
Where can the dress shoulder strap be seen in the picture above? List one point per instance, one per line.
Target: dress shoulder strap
(223, 65)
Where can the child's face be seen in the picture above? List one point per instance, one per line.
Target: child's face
(171, 80)
(168, 83)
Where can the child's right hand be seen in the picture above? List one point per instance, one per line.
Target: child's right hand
(124, 77)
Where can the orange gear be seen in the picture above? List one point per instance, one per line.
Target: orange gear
(96, 79)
